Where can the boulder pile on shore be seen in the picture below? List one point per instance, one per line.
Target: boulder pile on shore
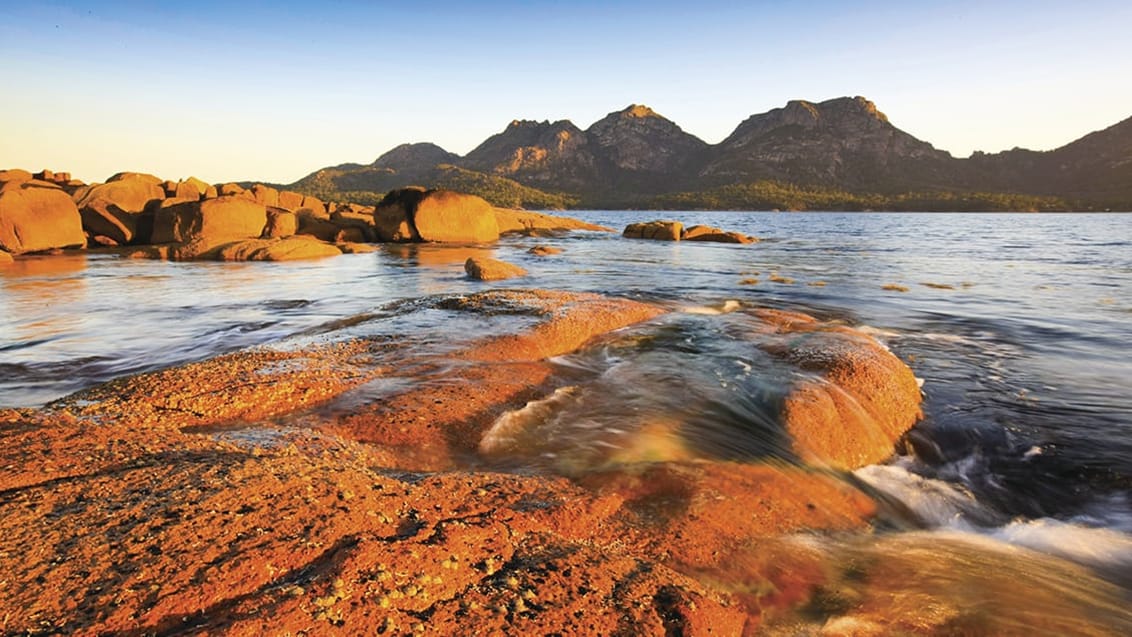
(141, 215)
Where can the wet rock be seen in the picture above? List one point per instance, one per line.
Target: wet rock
(717, 235)
(856, 399)
(287, 249)
(34, 218)
(486, 269)
(656, 230)
(6, 258)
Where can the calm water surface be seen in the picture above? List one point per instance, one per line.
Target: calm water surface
(1019, 325)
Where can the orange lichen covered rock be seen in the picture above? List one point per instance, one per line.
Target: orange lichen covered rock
(858, 398)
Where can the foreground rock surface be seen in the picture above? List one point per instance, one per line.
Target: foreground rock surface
(270, 492)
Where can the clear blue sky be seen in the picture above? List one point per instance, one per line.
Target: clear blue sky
(274, 90)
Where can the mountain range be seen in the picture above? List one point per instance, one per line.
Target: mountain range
(842, 153)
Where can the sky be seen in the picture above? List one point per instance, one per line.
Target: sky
(271, 91)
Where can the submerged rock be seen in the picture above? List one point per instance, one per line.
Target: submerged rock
(523, 221)
(716, 235)
(487, 269)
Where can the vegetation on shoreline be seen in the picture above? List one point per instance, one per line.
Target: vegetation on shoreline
(368, 185)
(774, 195)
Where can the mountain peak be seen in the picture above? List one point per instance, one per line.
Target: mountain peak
(419, 156)
(639, 110)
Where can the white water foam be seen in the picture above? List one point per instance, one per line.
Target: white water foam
(1099, 541)
(727, 307)
(510, 426)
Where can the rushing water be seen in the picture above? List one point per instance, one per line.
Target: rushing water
(1019, 325)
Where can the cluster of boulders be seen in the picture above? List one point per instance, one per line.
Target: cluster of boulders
(140, 215)
(675, 231)
(187, 219)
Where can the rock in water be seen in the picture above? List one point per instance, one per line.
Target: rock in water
(413, 214)
(526, 222)
(717, 235)
(658, 230)
(447, 216)
(857, 400)
(393, 217)
(35, 218)
(485, 269)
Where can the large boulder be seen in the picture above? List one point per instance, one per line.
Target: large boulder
(6, 258)
(393, 217)
(265, 195)
(14, 174)
(657, 230)
(201, 226)
(35, 216)
(193, 188)
(446, 216)
(853, 399)
(101, 217)
(290, 200)
(111, 209)
(281, 223)
(414, 214)
(130, 192)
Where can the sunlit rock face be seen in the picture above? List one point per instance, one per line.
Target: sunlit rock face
(415, 214)
(36, 216)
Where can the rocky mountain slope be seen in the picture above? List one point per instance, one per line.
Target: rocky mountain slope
(840, 150)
